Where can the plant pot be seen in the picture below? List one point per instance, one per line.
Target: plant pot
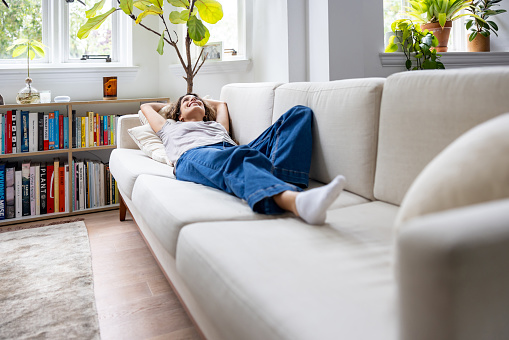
(442, 34)
(479, 44)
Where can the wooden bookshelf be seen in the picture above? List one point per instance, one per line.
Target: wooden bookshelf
(103, 107)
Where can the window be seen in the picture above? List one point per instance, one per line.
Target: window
(56, 24)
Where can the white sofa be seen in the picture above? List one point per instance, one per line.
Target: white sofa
(247, 276)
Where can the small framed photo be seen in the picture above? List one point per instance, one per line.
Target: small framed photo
(213, 51)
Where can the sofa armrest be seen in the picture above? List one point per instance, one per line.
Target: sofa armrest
(125, 123)
(454, 274)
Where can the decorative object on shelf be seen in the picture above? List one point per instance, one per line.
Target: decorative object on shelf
(479, 26)
(415, 43)
(109, 88)
(28, 94)
(437, 16)
(1, 100)
(45, 96)
(209, 11)
(62, 99)
(212, 51)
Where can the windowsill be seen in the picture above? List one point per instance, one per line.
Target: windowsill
(211, 67)
(452, 59)
(71, 72)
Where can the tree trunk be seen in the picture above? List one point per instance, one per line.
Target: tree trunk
(189, 68)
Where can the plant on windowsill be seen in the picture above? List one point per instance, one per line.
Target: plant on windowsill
(192, 15)
(480, 27)
(415, 43)
(28, 94)
(437, 16)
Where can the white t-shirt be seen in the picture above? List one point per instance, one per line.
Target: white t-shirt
(178, 137)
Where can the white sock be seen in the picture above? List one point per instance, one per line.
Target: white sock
(312, 205)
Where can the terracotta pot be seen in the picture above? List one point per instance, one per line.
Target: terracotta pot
(479, 44)
(442, 34)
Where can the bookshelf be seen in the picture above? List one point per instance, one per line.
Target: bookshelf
(102, 107)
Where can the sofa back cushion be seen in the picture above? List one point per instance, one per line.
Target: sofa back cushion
(423, 112)
(345, 127)
(250, 107)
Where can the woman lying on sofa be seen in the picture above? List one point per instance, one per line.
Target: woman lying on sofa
(269, 172)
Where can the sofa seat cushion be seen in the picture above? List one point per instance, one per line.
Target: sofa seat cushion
(284, 279)
(127, 164)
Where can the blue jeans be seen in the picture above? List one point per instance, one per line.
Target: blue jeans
(278, 160)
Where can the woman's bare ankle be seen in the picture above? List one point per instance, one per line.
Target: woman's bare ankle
(286, 201)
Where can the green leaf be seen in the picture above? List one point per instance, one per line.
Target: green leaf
(472, 36)
(127, 6)
(391, 47)
(97, 7)
(152, 10)
(179, 3)
(38, 50)
(19, 50)
(93, 24)
(469, 24)
(175, 18)
(160, 45)
(204, 40)
(492, 24)
(31, 54)
(408, 64)
(418, 55)
(442, 19)
(157, 3)
(196, 29)
(142, 5)
(210, 11)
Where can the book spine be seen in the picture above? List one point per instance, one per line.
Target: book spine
(95, 130)
(66, 132)
(51, 128)
(24, 131)
(61, 131)
(18, 192)
(46, 132)
(108, 186)
(25, 183)
(81, 185)
(32, 190)
(8, 132)
(56, 130)
(40, 134)
(101, 184)
(83, 132)
(61, 188)
(74, 129)
(50, 196)
(2, 191)
(78, 133)
(56, 184)
(90, 129)
(2, 134)
(10, 196)
(14, 132)
(105, 130)
(66, 184)
(44, 189)
(98, 129)
(32, 132)
(37, 189)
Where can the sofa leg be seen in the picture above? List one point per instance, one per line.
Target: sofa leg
(122, 209)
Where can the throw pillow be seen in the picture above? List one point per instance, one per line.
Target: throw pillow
(473, 169)
(149, 143)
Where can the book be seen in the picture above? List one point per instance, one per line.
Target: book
(32, 189)
(78, 133)
(66, 132)
(33, 129)
(44, 190)
(101, 133)
(56, 184)
(95, 129)
(50, 187)
(2, 134)
(14, 135)
(83, 132)
(87, 132)
(74, 129)
(66, 185)
(56, 130)
(51, 133)
(81, 185)
(25, 188)
(2, 191)
(18, 191)
(46, 132)
(40, 132)
(102, 201)
(61, 132)
(98, 129)
(37, 188)
(10, 196)
(8, 132)
(24, 131)
(90, 117)
(61, 188)
(107, 182)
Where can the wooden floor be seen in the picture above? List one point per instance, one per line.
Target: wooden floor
(134, 300)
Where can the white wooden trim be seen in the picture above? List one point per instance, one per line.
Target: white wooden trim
(452, 59)
(211, 67)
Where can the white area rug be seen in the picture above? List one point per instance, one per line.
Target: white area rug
(46, 284)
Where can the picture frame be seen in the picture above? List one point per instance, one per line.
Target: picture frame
(213, 51)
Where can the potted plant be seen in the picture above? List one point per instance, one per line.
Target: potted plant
(480, 27)
(415, 43)
(437, 16)
(194, 11)
(28, 94)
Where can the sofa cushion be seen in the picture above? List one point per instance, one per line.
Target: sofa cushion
(149, 143)
(250, 107)
(284, 279)
(423, 112)
(127, 164)
(473, 169)
(346, 127)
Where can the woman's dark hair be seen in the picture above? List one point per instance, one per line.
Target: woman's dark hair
(174, 111)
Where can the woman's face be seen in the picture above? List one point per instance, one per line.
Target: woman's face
(191, 109)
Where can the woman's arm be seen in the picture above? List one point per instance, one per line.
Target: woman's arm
(150, 110)
(221, 108)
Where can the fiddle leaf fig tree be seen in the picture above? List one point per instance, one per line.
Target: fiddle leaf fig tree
(189, 13)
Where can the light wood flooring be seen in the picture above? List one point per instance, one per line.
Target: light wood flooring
(134, 300)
